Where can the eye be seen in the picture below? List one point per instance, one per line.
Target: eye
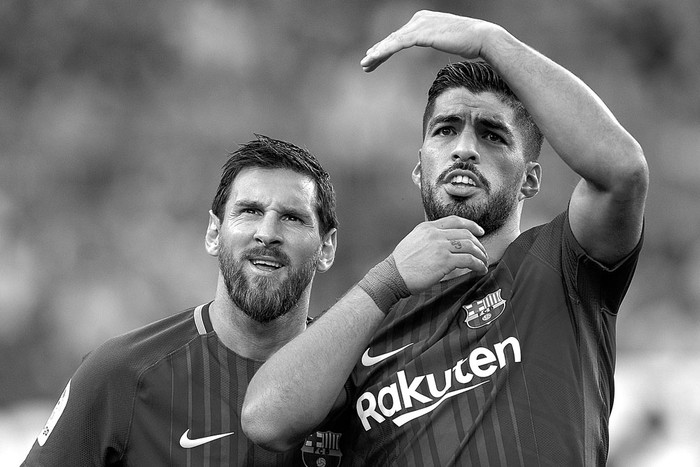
(493, 137)
(251, 211)
(444, 131)
(293, 218)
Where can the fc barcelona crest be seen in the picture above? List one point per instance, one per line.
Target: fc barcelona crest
(484, 311)
(322, 449)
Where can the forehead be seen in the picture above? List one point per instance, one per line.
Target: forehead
(278, 187)
(461, 102)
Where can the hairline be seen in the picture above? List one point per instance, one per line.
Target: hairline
(520, 121)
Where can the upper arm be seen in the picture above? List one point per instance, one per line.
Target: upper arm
(69, 437)
(607, 217)
(85, 422)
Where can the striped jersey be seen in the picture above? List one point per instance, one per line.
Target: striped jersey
(169, 393)
(513, 368)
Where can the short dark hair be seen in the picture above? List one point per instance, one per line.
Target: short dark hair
(478, 77)
(270, 153)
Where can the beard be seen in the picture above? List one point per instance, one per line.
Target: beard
(264, 299)
(491, 214)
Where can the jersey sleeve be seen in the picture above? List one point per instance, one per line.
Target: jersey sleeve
(596, 282)
(89, 423)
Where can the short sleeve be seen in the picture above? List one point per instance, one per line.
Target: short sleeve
(89, 423)
(596, 282)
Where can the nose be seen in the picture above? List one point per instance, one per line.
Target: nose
(267, 231)
(466, 148)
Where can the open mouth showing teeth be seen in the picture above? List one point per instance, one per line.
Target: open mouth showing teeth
(266, 264)
(462, 180)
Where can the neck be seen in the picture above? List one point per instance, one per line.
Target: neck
(252, 339)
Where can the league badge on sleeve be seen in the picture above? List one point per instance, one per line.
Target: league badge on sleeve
(484, 311)
(55, 415)
(322, 449)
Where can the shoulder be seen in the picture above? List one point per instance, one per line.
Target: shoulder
(126, 355)
(552, 230)
(543, 242)
(554, 246)
(555, 242)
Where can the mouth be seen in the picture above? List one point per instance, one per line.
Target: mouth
(458, 179)
(462, 183)
(266, 264)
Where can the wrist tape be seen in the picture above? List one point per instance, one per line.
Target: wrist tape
(384, 284)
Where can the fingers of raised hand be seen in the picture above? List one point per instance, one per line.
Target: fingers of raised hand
(442, 31)
(455, 248)
(381, 51)
(444, 237)
(462, 250)
(429, 253)
(456, 244)
(403, 38)
(458, 223)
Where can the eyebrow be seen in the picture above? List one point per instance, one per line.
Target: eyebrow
(496, 123)
(247, 203)
(285, 210)
(443, 118)
(490, 121)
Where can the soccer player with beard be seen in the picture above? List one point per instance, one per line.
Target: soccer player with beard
(171, 392)
(473, 343)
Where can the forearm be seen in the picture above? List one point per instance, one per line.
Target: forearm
(575, 121)
(296, 389)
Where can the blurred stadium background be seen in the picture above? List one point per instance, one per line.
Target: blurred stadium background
(116, 118)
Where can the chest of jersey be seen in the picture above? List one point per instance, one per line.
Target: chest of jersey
(465, 356)
(188, 409)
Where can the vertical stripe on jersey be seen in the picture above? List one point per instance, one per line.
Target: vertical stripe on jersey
(173, 436)
(513, 414)
(207, 404)
(498, 436)
(491, 429)
(194, 387)
(225, 410)
(458, 417)
(189, 398)
(241, 375)
(505, 422)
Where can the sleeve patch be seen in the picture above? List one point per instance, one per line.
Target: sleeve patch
(55, 415)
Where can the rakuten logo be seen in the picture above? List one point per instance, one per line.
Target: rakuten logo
(398, 397)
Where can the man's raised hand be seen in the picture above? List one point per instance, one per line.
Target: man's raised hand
(442, 31)
(434, 249)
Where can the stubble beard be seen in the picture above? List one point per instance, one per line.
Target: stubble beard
(491, 214)
(264, 299)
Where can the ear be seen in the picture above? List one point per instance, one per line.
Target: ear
(531, 182)
(211, 239)
(415, 175)
(328, 246)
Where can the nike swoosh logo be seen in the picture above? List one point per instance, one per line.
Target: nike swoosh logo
(368, 360)
(188, 443)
